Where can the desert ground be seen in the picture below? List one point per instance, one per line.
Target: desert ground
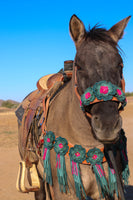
(10, 157)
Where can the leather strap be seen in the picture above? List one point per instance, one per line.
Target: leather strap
(45, 109)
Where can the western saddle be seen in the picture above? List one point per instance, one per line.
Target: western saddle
(47, 87)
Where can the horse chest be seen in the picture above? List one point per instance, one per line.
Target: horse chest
(87, 176)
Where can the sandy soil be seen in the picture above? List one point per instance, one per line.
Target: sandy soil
(10, 157)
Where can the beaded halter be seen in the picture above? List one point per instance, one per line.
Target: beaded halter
(101, 91)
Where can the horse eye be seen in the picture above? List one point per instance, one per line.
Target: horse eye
(78, 67)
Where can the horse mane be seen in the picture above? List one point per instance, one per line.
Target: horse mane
(100, 34)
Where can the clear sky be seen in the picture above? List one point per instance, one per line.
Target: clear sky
(35, 40)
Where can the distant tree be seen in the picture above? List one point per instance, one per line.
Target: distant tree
(129, 94)
(9, 104)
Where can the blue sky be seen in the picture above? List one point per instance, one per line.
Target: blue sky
(35, 40)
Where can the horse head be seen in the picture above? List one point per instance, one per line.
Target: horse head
(98, 61)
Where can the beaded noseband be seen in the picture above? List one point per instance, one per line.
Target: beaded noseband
(101, 91)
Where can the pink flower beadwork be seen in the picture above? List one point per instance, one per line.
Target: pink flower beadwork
(48, 139)
(77, 154)
(104, 89)
(94, 157)
(87, 95)
(60, 145)
(119, 92)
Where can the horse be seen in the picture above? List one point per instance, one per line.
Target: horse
(79, 113)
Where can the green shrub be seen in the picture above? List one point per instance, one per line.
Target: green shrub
(129, 94)
(9, 104)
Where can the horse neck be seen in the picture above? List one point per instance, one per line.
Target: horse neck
(67, 120)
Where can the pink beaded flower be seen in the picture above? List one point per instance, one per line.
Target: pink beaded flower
(120, 94)
(77, 154)
(104, 90)
(49, 140)
(87, 97)
(61, 146)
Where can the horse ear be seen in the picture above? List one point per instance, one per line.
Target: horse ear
(77, 29)
(116, 32)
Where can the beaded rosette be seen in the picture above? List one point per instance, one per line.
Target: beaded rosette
(78, 155)
(102, 91)
(61, 148)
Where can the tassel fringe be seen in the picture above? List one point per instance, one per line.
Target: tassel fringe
(78, 155)
(47, 166)
(61, 173)
(77, 179)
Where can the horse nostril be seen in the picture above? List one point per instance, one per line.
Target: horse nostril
(118, 123)
(106, 123)
(96, 121)
(96, 118)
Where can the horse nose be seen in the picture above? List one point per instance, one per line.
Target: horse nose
(106, 121)
(96, 120)
(112, 123)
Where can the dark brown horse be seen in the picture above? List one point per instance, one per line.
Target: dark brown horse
(97, 59)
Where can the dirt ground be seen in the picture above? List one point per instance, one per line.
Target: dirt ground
(10, 157)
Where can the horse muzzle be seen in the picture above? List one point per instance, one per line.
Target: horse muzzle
(107, 130)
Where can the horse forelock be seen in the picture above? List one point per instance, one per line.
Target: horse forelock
(100, 34)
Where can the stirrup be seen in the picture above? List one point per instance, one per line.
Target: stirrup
(27, 180)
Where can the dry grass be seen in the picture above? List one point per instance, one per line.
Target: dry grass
(8, 128)
(9, 155)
